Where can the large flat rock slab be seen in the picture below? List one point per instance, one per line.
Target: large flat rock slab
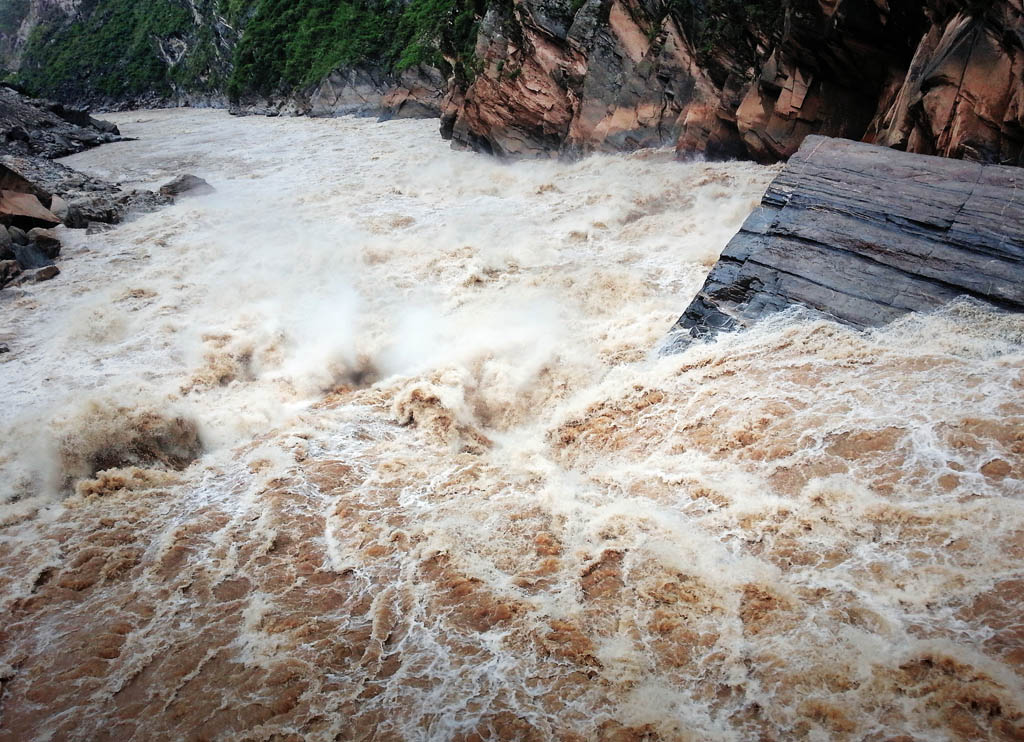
(864, 234)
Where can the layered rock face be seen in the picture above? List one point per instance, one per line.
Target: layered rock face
(865, 235)
(413, 93)
(924, 76)
(963, 95)
(607, 77)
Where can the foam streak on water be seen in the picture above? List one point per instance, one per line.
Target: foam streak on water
(445, 488)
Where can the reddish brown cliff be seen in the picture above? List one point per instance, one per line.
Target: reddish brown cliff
(731, 79)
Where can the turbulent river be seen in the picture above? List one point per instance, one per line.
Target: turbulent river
(375, 443)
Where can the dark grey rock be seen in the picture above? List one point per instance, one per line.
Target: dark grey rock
(865, 234)
(18, 236)
(98, 227)
(32, 256)
(189, 185)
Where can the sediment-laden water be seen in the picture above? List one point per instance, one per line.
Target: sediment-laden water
(375, 444)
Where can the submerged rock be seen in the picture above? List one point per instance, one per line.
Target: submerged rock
(864, 235)
(186, 185)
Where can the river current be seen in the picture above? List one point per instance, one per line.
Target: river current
(375, 443)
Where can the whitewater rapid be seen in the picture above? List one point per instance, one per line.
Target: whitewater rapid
(375, 442)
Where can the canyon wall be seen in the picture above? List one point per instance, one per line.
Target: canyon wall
(722, 78)
(716, 78)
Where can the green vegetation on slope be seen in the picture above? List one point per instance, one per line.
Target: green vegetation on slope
(130, 48)
(112, 50)
(288, 44)
(122, 49)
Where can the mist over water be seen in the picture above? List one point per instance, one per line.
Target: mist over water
(375, 443)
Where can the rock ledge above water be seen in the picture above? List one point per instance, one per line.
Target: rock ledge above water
(865, 234)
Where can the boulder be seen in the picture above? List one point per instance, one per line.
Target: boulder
(189, 185)
(5, 244)
(32, 256)
(18, 236)
(104, 126)
(865, 234)
(46, 240)
(24, 210)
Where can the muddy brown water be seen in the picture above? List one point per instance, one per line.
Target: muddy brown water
(446, 488)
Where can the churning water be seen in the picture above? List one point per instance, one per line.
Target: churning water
(374, 443)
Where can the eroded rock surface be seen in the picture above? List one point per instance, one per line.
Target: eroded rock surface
(865, 235)
(928, 76)
(414, 93)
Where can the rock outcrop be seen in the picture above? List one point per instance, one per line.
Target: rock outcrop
(864, 235)
(187, 184)
(81, 198)
(745, 79)
(608, 76)
(963, 94)
(360, 90)
(367, 91)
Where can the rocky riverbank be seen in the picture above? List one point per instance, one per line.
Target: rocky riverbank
(40, 197)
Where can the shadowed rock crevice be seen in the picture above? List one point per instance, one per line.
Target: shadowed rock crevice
(864, 235)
